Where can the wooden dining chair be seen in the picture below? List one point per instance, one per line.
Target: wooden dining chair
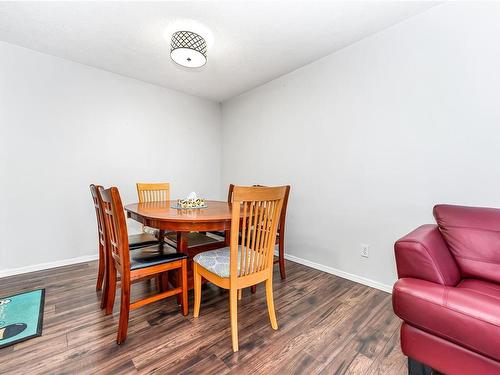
(135, 241)
(280, 239)
(249, 260)
(134, 265)
(153, 192)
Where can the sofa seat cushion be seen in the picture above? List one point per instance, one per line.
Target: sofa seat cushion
(482, 287)
(468, 315)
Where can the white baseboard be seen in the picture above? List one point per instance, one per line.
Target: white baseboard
(343, 274)
(293, 258)
(44, 266)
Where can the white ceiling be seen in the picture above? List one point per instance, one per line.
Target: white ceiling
(253, 41)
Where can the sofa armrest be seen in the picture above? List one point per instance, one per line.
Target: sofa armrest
(423, 254)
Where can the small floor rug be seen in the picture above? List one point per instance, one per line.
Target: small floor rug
(21, 317)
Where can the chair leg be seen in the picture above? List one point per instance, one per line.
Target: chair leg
(183, 271)
(233, 310)
(179, 282)
(111, 291)
(163, 281)
(281, 256)
(158, 283)
(270, 303)
(124, 312)
(104, 293)
(101, 269)
(197, 290)
(105, 282)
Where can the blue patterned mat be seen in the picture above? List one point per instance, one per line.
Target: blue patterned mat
(21, 317)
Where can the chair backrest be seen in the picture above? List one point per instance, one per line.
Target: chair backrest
(98, 214)
(115, 229)
(283, 210)
(156, 192)
(260, 209)
(230, 193)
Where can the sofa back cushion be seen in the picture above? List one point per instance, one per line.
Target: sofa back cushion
(473, 237)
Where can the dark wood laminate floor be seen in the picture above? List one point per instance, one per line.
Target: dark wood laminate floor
(327, 325)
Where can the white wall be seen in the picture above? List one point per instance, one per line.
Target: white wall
(65, 125)
(371, 137)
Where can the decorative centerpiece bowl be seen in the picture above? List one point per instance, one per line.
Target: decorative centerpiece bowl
(192, 201)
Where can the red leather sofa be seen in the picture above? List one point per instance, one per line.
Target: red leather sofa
(448, 292)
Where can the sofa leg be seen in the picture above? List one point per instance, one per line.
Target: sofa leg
(418, 368)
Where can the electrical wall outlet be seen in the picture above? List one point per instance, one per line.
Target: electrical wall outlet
(365, 250)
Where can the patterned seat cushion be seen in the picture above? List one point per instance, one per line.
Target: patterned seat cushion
(152, 231)
(217, 261)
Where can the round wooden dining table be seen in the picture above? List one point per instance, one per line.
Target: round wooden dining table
(162, 216)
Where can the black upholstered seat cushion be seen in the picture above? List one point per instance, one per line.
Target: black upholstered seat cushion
(152, 256)
(141, 240)
(193, 238)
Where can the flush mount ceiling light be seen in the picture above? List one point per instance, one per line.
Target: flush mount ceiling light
(188, 49)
